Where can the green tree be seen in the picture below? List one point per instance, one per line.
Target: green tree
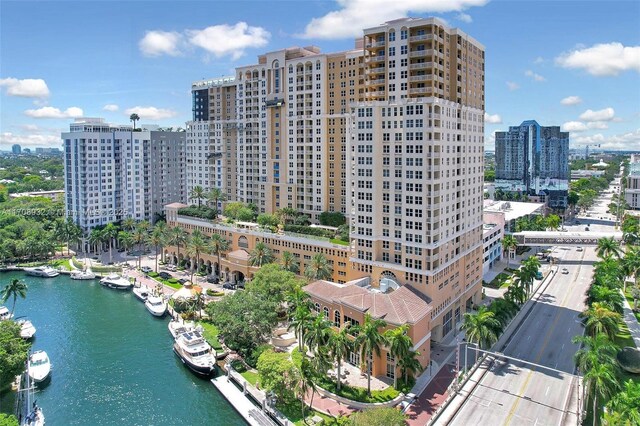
(627, 402)
(8, 419)
(286, 214)
(340, 345)
(297, 297)
(334, 219)
(215, 197)
(278, 374)
(600, 319)
(608, 246)
(244, 320)
(261, 255)
(369, 341)
(610, 297)
(140, 238)
(378, 417)
(289, 262)
(95, 239)
(135, 118)
(273, 283)
(13, 352)
(268, 220)
(218, 245)
(14, 289)
(410, 365)
(196, 245)
(595, 350)
(125, 238)
(178, 237)
(156, 239)
(318, 268)
(631, 265)
(509, 243)
(399, 344)
(128, 223)
(197, 193)
(482, 327)
(601, 382)
(110, 232)
(300, 322)
(317, 335)
(553, 221)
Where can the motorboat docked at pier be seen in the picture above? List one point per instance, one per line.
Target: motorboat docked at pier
(156, 305)
(42, 271)
(141, 292)
(39, 366)
(29, 413)
(83, 275)
(195, 352)
(116, 281)
(176, 328)
(27, 330)
(5, 314)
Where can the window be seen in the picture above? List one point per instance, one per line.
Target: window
(336, 318)
(325, 310)
(316, 307)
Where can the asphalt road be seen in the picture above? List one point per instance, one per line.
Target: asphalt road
(514, 393)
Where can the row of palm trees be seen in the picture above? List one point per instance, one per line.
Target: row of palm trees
(316, 335)
(596, 359)
(318, 267)
(485, 326)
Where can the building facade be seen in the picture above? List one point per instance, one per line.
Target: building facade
(534, 160)
(632, 189)
(16, 149)
(492, 236)
(112, 172)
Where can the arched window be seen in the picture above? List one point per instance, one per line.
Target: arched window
(336, 318)
(242, 242)
(316, 307)
(325, 310)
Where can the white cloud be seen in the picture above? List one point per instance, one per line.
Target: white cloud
(606, 114)
(151, 113)
(597, 125)
(536, 77)
(31, 139)
(222, 40)
(574, 126)
(492, 119)
(354, 15)
(156, 43)
(512, 86)
(110, 107)
(464, 17)
(51, 112)
(26, 88)
(538, 60)
(571, 100)
(602, 59)
(626, 141)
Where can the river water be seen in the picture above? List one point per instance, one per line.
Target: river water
(112, 361)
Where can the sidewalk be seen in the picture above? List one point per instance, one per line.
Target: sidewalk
(632, 323)
(420, 412)
(329, 406)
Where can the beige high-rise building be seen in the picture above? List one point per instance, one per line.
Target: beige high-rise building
(416, 158)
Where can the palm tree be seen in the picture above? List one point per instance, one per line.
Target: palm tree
(196, 245)
(197, 193)
(595, 350)
(482, 327)
(128, 223)
(600, 319)
(216, 196)
(126, 240)
(509, 243)
(300, 323)
(625, 403)
(318, 333)
(177, 237)
(601, 381)
(340, 345)
(95, 238)
(631, 265)
(161, 228)
(306, 382)
(140, 237)
(289, 262)
(261, 255)
(610, 297)
(217, 245)
(410, 364)
(297, 297)
(110, 232)
(399, 344)
(516, 294)
(286, 214)
(156, 239)
(524, 277)
(608, 246)
(318, 268)
(74, 234)
(369, 341)
(14, 289)
(134, 117)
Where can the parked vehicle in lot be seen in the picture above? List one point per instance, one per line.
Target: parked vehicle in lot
(538, 275)
(228, 286)
(165, 275)
(213, 279)
(171, 268)
(565, 271)
(586, 228)
(182, 280)
(579, 248)
(146, 269)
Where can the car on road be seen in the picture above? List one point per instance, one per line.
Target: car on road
(165, 275)
(565, 271)
(586, 228)
(538, 275)
(146, 269)
(182, 280)
(579, 249)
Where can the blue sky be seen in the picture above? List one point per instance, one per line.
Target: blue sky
(569, 63)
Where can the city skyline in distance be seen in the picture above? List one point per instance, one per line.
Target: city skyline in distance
(571, 64)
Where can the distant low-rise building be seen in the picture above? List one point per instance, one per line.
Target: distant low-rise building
(512, 211)
(492, 235)
(580, 174)
(53, 195)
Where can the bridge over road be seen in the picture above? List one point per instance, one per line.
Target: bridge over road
(563, 239)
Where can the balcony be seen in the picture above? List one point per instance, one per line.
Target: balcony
(422, 37)
(376, 70)
(375, 82)
(420, 90)
(375, 44)
(377, 94)
(422, 65)
(424, 77)
(421, 53)
(374, 59)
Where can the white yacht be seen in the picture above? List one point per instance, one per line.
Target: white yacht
(27, 330)
(141, 292)
(39, 366)
(116, 281)
(194, 351)
(156, 305)
(29, 413)
(42, 271)
(5, 314)
(176, 328)
(83, 275)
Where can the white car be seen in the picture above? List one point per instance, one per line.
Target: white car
(565, 271)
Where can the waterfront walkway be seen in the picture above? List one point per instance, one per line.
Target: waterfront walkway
(632, 322)
(252, 414)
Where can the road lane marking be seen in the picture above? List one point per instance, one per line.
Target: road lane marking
(547, 392)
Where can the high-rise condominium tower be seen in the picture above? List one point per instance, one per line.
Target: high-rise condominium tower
(112, 172)
(534, 160)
